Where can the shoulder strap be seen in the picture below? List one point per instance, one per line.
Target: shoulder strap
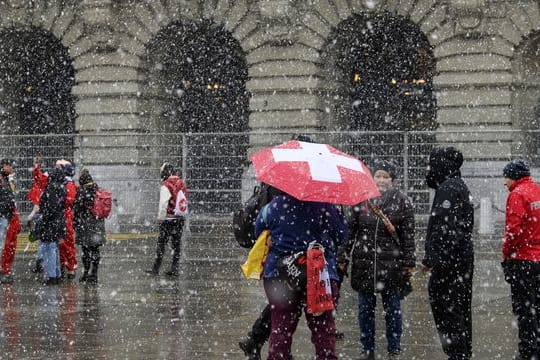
(385, 220)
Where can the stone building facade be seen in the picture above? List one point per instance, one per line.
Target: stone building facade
(485, 53)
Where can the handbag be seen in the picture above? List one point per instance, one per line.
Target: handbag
(254, 265)
(292, 268)
(319, 291)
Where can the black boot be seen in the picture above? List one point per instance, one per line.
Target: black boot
(93, 277)
(38, 269)
(155, 268)
(84, 276)
(250, 348)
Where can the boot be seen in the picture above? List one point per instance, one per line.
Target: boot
(38, 269)
(155, 268)
(93, 277)
(84, 276)
(250, 348)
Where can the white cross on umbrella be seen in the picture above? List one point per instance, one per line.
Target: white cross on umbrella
(323, 165)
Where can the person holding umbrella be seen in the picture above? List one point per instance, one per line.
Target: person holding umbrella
(381, 245)
(314, 177)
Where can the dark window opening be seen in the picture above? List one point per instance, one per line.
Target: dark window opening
(197, 77)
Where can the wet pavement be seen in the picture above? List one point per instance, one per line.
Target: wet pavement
(204, 312)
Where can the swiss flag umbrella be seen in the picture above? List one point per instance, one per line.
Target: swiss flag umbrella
(315, 172)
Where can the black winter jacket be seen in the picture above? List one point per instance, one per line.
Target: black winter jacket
(89, 230)
(378, 260)
(448, 238)
(52, 225)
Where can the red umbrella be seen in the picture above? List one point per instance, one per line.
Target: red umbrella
(315, 172)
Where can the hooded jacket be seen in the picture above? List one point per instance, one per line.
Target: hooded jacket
(51, 207)
(522, 231)
(450, 225)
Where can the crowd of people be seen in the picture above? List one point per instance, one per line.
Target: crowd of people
(65, 214)
(374, 241)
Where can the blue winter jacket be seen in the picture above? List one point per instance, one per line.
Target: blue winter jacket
(293, 224)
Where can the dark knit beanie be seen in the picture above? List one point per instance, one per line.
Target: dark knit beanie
(85, 177)
(516, 169)
(384, 165)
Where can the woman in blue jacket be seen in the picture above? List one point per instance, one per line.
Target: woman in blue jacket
(293, 224)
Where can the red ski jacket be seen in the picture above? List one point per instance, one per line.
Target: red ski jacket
(522, 230)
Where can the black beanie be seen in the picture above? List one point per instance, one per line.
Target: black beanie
(384, 165)
(85, 177)
(516, 169)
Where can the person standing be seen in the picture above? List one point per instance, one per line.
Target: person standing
(89, 229)
(52, 225)
(521, 255)
(171, 223)
(383, 255)
(293, 225)
(10, 225)
(68, 258)
(449, 253)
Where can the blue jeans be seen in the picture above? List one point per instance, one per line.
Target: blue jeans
(366, 320)
(51, 259)
(3, 230)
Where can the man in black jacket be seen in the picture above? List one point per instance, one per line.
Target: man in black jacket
(449, 252)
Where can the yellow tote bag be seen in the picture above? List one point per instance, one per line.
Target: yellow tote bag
(253, 267)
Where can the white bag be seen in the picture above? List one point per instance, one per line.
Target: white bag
(181, 204)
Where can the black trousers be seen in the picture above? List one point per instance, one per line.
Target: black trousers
(450, 295)
(90, 258)
(169, 231)
(524, 280)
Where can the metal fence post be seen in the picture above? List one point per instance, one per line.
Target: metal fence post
(406, 161)
(187, 231)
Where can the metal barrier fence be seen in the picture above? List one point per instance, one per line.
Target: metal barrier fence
(216, 166)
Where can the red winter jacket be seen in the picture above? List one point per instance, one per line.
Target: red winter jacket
(522, 230)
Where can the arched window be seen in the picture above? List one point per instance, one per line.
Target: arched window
(36, 77)
(380, 68)
(196, 85)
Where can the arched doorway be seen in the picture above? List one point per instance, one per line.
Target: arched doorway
(196, 85)
(382, 67)
(526, 96)
(36, 77)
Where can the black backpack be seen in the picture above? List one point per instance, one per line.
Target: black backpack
(7, 202)
(244, 218)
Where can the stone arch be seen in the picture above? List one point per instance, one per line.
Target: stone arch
(195, 84)
(382, 67)
(526, 93)
(36, 76)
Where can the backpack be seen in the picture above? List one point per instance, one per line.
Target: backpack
(7, 202)
(101, 208)
(244, 218)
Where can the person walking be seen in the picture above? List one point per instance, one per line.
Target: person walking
(293, 225)
(14, 224)
(52, 225)
(382, 251)
(89, 229)
(449, 253)
(171, 222)
(521, 255)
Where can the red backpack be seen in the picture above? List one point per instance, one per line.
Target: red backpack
(102, 204)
